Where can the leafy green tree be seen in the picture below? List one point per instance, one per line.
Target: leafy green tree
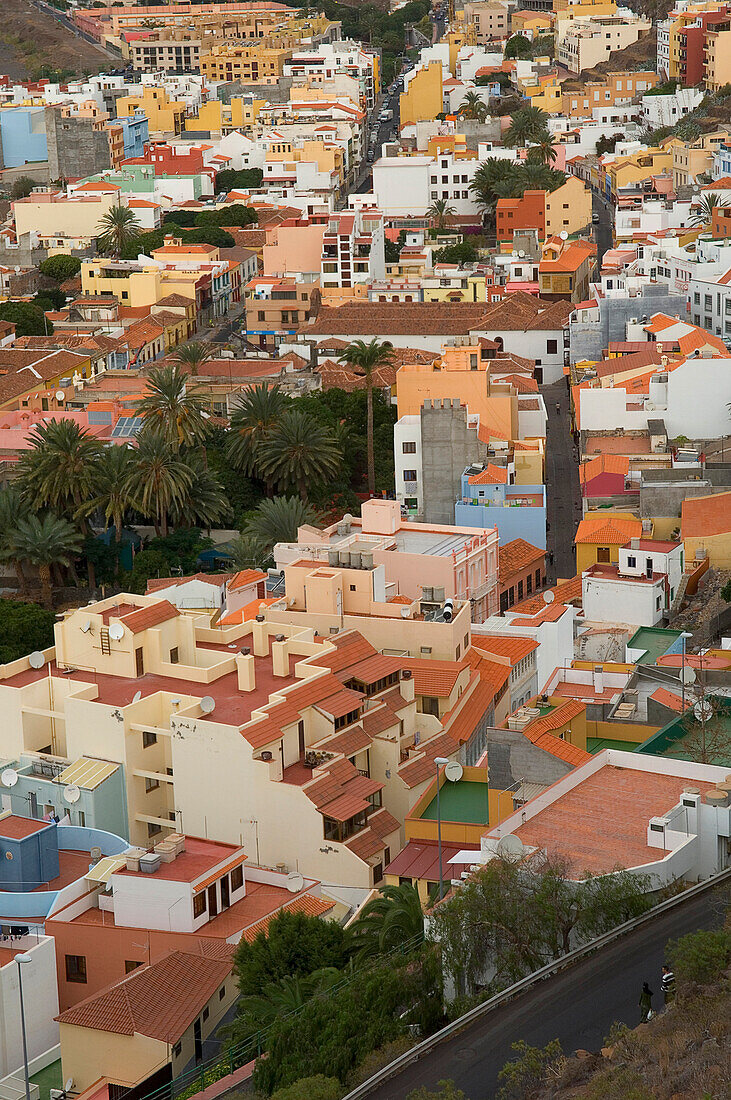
(542, 151)
(204, 503)
(529, 1069)
(24, 627)
(46, 542)
(518, 46)
(487, 181)
(440, 212)
(52, 298)
(111, 495)
(235, 214)
(28, 318)
(391, 919)
(285, 996)
(160, 557)
(292, 945)
(12, 507)
(202, 234)
(298, 452)
(462, 253)
(258, 412)
(159, 480)
(311, 1088)
(364, 358)
(60, 267)
(59, 469)
(701, 956)
(244, 179)
(172, 407)
(22, 187)
(117, 231)
(726, 592)
(193, 356)
(473, 106)
(277, 519)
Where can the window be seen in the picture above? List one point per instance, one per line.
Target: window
(151, 784)
(520, 590)
(222, 992)
(631, 561)
(174, 655)
(153, 828)
(409, 448)
(377, 873)
(199, 902)
(261, 315)
(237, 878)
(148, 739)
(602, 554)
(352, 588)
(551, 347)
(409, 475)
(206, 1013)
(130, 965)
(529, 584)
(76, 969)
(177, 1049)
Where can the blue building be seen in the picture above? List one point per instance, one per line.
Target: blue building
(135, 133)
(22, 136)
(517, 511)
(99, 796)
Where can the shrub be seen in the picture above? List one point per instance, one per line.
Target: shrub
(60, 268)
(700, 956)
(311, 1088)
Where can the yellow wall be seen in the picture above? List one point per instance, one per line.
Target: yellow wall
(164, 115)
(87, 1055)
(570, 203)
(69, 217)
(621, 731)
(422, 100)
(718, 548)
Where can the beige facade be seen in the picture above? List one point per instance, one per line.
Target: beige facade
(695, 158)
(568, 208)
(53, 214)
(489, 18)
(588, 42)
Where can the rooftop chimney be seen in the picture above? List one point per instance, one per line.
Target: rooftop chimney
(598, 679)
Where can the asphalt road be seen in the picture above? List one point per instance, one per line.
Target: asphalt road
(603, 229)
(578, 1007)
(562, 484)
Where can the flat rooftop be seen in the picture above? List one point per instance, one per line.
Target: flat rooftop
(199, 856)
(602, 823)
(463, 801)
(655, 641)
(233, 707)
(618, 445)
(15, 828)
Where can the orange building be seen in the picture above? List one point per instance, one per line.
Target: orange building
(514, 215)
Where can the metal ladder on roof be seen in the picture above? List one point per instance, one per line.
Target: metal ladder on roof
(104, 636)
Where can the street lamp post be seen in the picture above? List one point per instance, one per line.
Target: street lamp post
(21, 959)
(439, 761)
(685, 635)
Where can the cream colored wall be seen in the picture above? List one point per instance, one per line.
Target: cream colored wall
(87, 1055)
(72, 218)
(717, 547)
(578, 197)
(293, 248)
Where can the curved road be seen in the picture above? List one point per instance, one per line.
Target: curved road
(578, 1006)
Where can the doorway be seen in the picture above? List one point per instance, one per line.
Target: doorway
(198, 1040)
(140, 661)
(225, 894)
(212, 901)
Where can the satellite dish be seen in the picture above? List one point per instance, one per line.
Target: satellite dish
(453, 771)
(521, 253)
(136, 697)
(71, 794)
(564, 235)
(9, 777)
(405, 612)
(86, 627)
(208, 704)
(549, 597)
(703, 710)
(60, 395)
(36, 659)
(69, 1085)
(295, 882)
(687, 675)
(510, 846)
(116, 632)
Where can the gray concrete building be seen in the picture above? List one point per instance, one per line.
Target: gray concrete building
(448, 445)
(76, 146)
(590, 338)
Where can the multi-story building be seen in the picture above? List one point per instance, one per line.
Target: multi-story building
(679, 57)
(615, 89)
(260, 62)
(696, 158)
(353, 251)
(330, 60)
(170, 49)
(489, 18)
(278, 306)
(588, 42)
(717, 53)
(551, 213)
(566, 269)
(164, 115)
(640, 589)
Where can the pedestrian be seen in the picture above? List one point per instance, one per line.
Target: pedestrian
(645, 1003)
(667, 984)
(558, 408)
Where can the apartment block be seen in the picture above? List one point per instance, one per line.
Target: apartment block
(588, 42)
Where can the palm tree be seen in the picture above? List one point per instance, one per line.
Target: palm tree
(532, 177)
(117, 230)
(204, 504)
(473, 106)
(44, 543)
(542, 150)
(703, 213)
(490, 181)
(390, 920)
(112, 497)
(12, 508)
(193, 356)
(172, 408)
(60, 470)
(278, 520)
(528, 124)
(364, 359)
(299, 450)
(159, 480)
(439, 211)
(258, 412)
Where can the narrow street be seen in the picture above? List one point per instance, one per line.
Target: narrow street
(603, 228)
(562, 484)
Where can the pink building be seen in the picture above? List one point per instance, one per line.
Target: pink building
(453, 562)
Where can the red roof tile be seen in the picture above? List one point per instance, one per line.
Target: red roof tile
(516, 556)
(145, 617)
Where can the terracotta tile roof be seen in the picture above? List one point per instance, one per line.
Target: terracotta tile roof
(145, 617)
(154, 584)
(341, 792)
(379, 719)
(565, 592)
(467, 713)
(491, 475)
(603, 464)
(422, 767)
(504, 645)
(249, 611)
(706, 516)
(159, 1001)
(668, 699)
(372, 840)
(372, 669)
(308, 904)
(341, 702)
(435, 678)
(349, 742)
(350, 648)
(555, 720)
(648, 356)
(550, 613)
(608, 531)
(517, 555)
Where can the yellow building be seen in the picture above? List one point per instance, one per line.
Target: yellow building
(566, 11)
(613, 89)
(568, 208)
(533, 22)
(259, 63)
(421, 100)
(54, 214)
(696, 157)
(600, 536)
(164, 115)
(678, 21)
(545, 93)
(637, 167)
(717, 70)
(706, 525)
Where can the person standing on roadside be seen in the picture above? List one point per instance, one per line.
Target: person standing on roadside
(645, 1003)
(667, 984)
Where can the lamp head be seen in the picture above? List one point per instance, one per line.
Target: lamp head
(24, 957)
(439, 760)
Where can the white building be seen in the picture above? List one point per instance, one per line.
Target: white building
(331, 59)
(665, 110)
(40, 1001)
(407, 457)
(552, 627)
(640, 589)
(409, 185)
(353, 249)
